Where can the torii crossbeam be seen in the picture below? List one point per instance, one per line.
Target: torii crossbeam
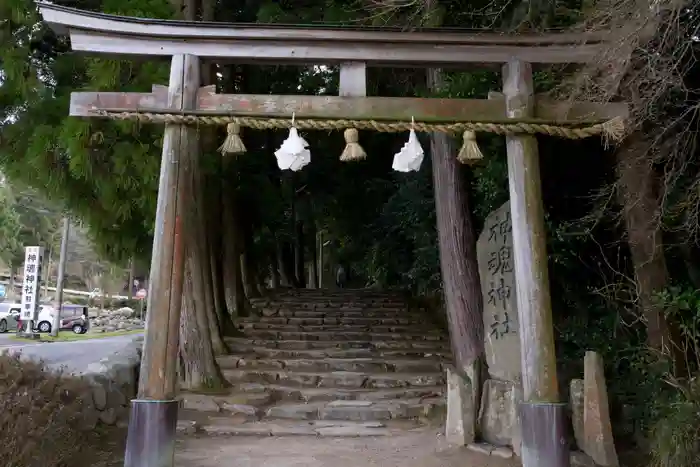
(154, 413)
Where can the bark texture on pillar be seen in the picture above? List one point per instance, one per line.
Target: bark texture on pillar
(457, 244)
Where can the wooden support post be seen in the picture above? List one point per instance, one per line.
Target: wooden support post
(153, 419)
(353, 79)
(543, 430)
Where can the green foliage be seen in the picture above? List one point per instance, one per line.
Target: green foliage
(106, 172)
(26, 219)
(10, 228)
(675, 440)
(682, 307)
(675, 433)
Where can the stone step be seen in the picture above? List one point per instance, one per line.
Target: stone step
(264, 352)
(362, 365)
(268, 334)
(338, 294)
(340, 328)
(244, 344)
(345, 308)
(333, 301)
(336, 299)
(337, 379)
(363, 321)
(287, 312)
(248, 404)
(224, 426)
(359, 411)
(274, 392)
(252, 399)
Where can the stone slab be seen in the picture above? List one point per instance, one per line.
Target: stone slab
(491, 450)
(294, 411)
(351, 432)
(461, 412)
(598, 439)
(199, 402)
(497, 413)
(576, 406)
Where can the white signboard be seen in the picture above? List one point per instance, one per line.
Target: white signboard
(33, 257)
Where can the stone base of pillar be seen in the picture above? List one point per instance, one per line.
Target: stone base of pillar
(544, 435)
(151, 438)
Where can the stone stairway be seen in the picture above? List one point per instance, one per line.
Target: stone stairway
(341, 363)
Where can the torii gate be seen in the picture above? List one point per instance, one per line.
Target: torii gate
(154, 414)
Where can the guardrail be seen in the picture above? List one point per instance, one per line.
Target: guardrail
(79, 293)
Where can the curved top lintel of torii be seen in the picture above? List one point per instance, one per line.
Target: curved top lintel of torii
(281, 44)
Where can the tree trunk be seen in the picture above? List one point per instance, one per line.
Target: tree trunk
(641, 211)
(457, 244)
(283, 265)
(248, 269)
(274, 272)
(299, 264)
(201, 274)
(236, 298)
(198, 367)
(313, 276)
(11, 293)
(216, 253)
(198, 326)
(200, 337)
(211, 190)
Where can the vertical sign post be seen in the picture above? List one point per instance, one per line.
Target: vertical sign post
(33, 258)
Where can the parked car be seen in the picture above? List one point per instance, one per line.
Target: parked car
(45, 319)
(73, 317)
(9, 316)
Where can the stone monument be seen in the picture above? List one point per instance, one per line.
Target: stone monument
(498, 415)
(495, 256)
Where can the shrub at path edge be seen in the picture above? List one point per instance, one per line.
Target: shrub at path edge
(47, 419)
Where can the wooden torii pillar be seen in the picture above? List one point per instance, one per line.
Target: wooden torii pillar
(154, 413)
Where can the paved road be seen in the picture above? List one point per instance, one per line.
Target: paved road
(73, 356)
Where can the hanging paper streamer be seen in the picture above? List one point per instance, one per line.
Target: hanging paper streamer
(294, 154)
(410, 157)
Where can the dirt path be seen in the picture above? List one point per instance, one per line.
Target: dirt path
(416, 449)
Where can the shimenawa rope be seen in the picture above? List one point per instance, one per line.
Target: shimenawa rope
(611, 130)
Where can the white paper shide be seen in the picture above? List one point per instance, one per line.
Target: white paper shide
(33, 258)
(294, 154)
(410, 157)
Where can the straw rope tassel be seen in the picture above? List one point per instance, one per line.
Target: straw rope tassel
(613, 130)
(469, 153)
(353, 151)
(233, 144)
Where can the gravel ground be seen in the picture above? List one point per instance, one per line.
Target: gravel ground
(426, 448)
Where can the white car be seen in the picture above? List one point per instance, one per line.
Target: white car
(45, 319)
(73, 318)
(9, 316)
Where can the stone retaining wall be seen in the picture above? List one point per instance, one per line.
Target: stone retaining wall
(114, 382)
